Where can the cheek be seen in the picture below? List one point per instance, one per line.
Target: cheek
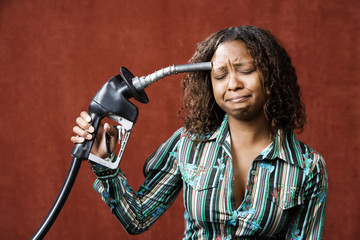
(259, 87)
(217, 90)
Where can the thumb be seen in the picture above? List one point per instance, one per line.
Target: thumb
(111, 130)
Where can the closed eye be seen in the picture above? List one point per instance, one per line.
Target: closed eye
(219, 77)
(245, 69)
(248, 72)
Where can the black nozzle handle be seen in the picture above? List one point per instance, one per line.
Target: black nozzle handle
(111, 99)
(82, 150)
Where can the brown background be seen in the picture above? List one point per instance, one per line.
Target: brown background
(55, 55)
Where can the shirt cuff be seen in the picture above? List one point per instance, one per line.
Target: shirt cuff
(103, 172)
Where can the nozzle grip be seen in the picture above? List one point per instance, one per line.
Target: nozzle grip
(82, 150)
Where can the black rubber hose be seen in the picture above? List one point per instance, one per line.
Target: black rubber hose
(60, 200)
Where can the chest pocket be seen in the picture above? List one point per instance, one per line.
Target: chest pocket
(286, 197)
(201, 178)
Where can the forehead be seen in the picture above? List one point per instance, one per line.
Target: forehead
(233, 51)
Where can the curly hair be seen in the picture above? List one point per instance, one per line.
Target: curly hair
(283, 109)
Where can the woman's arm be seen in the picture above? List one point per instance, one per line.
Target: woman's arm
(138, 210)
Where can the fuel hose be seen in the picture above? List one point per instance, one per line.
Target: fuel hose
(60, 200)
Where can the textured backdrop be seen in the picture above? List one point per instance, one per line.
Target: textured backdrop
(55, 55)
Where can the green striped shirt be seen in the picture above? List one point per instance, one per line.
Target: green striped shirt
(285, 196)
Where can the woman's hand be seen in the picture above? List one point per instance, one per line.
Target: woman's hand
(83, 131)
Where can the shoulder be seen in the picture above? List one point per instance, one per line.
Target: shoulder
(313, 161)
(176, 135)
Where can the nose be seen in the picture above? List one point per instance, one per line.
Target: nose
(235, 82)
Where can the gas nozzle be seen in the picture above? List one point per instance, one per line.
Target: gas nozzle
(112, 101)
(144, 81)
(123, 111)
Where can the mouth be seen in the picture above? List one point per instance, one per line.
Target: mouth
(238, 99)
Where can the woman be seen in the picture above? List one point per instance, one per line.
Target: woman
(243, 172)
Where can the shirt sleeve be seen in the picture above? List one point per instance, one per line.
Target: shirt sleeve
(137, 211)
(308, 222)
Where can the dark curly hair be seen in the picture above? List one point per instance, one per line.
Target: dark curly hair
(283, 109)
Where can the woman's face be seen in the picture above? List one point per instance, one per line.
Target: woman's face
(236, 82)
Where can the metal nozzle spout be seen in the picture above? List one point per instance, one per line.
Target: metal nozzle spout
(144, 81)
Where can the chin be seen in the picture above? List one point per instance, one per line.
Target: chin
(246, 115)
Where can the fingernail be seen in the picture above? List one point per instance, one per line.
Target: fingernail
(88, 118)
(91, 129)
(88, 136)
(81, 139)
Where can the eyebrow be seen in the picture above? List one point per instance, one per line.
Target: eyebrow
(236, 64)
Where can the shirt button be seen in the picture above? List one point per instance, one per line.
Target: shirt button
(253, 172)
(248, 197)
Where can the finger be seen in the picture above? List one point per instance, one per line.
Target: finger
(76, 139)
(82, 133)
(111, 130)
(85, 116)
(84, 124)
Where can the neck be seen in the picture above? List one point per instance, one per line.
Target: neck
(249, 133)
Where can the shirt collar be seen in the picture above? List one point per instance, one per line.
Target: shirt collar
(221, 133)
(285, 147)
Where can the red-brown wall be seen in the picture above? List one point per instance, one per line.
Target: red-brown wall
(55, 55)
